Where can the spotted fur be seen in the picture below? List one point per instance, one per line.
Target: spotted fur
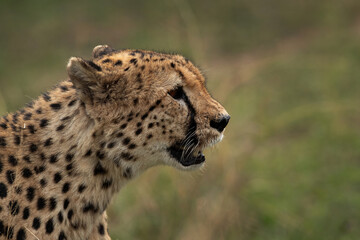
(65, 155)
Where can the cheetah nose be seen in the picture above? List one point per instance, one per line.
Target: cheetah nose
(220, 123)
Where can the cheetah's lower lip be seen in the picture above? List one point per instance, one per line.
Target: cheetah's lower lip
(177, 153)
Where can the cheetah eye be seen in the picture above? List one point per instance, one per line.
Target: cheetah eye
(177, 93)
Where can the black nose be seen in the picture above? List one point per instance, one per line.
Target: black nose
(220, 123)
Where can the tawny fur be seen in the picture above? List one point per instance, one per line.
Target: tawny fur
(65, 155)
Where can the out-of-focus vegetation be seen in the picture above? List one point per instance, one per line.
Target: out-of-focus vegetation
(288, 72)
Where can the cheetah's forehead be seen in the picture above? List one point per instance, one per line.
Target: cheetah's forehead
(140, 59)
(140, 55)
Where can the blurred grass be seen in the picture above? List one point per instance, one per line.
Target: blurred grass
(288, 73)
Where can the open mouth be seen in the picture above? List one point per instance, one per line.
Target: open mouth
(186, 159)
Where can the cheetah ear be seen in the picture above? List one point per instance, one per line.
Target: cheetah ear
(84, 75)
(101, 50)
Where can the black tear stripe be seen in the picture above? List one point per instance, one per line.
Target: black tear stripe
(192, 124)
(173, 150)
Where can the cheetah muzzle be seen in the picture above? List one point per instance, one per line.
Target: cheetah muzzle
(65, 155)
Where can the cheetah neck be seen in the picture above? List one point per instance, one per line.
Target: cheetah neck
(63, 148)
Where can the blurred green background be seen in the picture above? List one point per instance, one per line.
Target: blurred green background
(288, 72)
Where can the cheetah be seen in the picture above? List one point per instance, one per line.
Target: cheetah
(64, 155)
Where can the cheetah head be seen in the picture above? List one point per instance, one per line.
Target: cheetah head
(152, 108)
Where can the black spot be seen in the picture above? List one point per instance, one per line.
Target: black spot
(9, 232)
(33, 148)
(66, 187)
(72, 103)
(61, 127)
(106, 60)
(14, 207)
(26, 213)
(65, 118)
(88, 153)
(126, 141)
(150, 125)
(57, 177)
(39, 169)
(111, 145)
(13, 160)
(43, 182)
(55, 106)
(52, 205)
(126, 69)
(95, 66)
(181, 74)
(62, 236)
(106, 184)
(136, 101)
(4, 126)
(21, 235)
(144, 116)
(152, 108)
(60, 217)
(44, 122)
(2, 142)
(69, 167)
(36, 223)
(123, 126)
(89, 207)
(64, 88)
(17, 140)
(26, 158)
(100, 155)
(41, 203)
(14, 128)
(48, 142)
(81, 188)
(101, 229)
(172, 65)
(10, 176)
(69, 157)
(49, 226)
(2, 228)
(66, 203)
(27, 116)
(70, 214)
(126, 156)
(99, 169)
(26, 173)
(39, 111)
(53, 158)
(30, 193)
(118, 63)
(46, 97)
(119, 135)
(132, 146)
(138, 131)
